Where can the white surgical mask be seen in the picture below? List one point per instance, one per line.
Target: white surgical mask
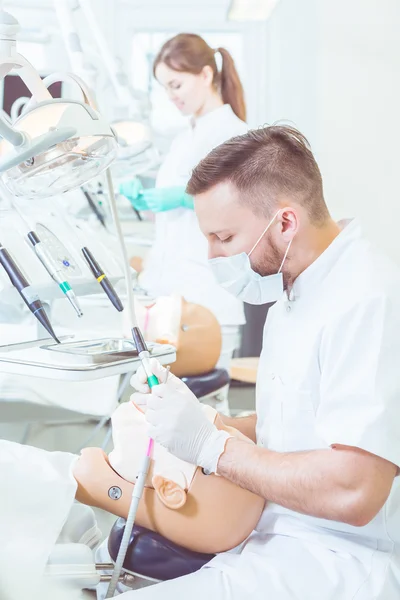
(234, 273)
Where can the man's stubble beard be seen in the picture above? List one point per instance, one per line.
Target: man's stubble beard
(269, 262)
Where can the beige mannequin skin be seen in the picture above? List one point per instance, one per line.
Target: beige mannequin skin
(212, 515)
(196, 333)
(199, 341)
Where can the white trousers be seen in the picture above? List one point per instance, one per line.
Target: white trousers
(286, 569)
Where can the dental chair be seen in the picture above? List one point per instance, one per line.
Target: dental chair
(152, 557)
(211, 388)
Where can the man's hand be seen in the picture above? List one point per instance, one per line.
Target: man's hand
(176, 419)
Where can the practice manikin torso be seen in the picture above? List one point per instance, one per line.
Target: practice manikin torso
(205, 513)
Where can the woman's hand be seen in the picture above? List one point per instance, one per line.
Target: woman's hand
(168, 198)
(133, 191)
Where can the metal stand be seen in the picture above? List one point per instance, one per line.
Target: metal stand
(125, 379)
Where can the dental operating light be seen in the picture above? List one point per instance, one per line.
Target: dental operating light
(136, 152)
(56, 145)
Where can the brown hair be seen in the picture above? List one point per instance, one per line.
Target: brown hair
(264, 165)
(189, 53)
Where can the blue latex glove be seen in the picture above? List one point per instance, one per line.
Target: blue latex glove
(133, 191)
(167, 198)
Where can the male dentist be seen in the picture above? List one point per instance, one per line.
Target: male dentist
(326, 436)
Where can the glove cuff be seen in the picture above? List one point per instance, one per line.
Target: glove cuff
(212, 450)
(187, 201)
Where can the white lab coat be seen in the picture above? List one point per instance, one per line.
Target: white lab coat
(177, 262)
(37, 493)
(329, 373)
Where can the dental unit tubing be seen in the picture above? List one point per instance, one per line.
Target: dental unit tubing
(152, 380)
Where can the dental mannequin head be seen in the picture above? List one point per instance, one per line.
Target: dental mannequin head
(169, 476)
(205, 513)
(186, 67)
(191, 328)
(267, 176)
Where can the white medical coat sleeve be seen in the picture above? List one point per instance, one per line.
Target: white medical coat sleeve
(360, 379)
(37, 492)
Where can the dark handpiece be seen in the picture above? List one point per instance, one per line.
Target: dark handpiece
(102, 279)
(26, 292)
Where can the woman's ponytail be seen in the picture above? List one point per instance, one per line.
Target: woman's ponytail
(188, 52)
(231, 86)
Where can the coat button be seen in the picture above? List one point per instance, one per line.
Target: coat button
(288, 308)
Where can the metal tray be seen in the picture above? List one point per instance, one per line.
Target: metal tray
(96, 351)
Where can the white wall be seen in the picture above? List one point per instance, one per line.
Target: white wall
(334, 70)
(292, 45)
(359, 124)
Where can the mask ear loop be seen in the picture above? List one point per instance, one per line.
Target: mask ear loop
(263, 233)
(285, 255)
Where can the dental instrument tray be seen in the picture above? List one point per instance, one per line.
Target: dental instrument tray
(78, 360)
(96, 351)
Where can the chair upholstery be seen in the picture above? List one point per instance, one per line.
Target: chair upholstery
(151, 555)
(208, 383)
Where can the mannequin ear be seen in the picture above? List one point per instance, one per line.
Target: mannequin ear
(170, 493)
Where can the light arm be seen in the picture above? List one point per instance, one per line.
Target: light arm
(341, 483)
(16, 138)
(72, 41)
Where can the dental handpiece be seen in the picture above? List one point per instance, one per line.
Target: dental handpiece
(54, 271)
(141, 478)
(26, 292)
(144, 356)
(102, 279)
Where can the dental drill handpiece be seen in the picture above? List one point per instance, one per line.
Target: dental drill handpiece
(54, 271)
(102, 279)
(25, 290)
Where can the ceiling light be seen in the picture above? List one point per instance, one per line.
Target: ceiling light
(251, 10)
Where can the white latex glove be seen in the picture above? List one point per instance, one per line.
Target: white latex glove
(176, 419)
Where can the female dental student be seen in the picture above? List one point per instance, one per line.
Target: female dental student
(212, 96)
